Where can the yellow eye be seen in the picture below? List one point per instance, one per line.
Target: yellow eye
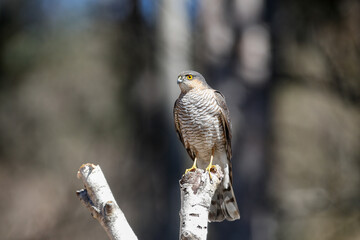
(189, 77)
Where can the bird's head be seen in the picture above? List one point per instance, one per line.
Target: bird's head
(189, 80)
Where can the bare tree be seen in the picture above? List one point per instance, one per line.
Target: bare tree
(197, 189)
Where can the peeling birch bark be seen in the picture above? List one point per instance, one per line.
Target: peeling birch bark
(197, 191)
(99, 200)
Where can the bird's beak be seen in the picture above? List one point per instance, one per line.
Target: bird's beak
(179, 80)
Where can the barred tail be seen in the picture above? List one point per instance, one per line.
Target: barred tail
(223, 205)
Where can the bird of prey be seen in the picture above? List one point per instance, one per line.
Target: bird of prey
(203, 125)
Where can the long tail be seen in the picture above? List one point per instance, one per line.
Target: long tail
(223, 205)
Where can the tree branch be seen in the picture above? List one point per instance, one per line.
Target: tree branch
(99, 200)
(197, 190)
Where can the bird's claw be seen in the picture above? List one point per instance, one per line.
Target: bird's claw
(192, 169)
(209, 169)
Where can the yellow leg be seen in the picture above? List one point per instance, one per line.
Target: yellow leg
(193, 168)
(210, 166)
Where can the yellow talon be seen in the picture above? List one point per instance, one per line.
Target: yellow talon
(193, 168)
(210, 166)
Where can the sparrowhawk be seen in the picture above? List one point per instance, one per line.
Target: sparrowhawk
(203, 125)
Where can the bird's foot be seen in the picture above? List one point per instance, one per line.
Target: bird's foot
(209, 169)
(192, 169)
(210, 166)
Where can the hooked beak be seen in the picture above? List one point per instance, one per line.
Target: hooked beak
(179, 80)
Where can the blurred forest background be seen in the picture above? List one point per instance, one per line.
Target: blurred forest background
(95, 81)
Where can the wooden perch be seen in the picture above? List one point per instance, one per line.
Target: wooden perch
(99, 200)
(197, 190)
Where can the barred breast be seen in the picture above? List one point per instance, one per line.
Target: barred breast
(198, 116)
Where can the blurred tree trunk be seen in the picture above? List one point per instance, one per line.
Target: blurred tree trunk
(173, 54)
(17, 55)
(235, 54)
(315, 176)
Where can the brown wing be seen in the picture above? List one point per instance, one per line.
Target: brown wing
(225, 119)
(178, 130)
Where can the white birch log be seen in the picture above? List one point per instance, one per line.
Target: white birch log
(197, 190)
(99, 200)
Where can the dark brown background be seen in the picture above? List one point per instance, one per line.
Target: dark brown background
(95, 81)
